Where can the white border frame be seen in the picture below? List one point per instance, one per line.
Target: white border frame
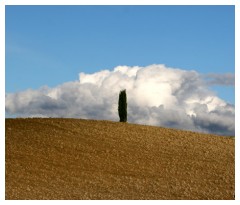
(115, 2)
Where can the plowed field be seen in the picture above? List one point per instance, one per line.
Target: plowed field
(88, 159)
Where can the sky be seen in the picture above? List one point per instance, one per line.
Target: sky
(58, 57)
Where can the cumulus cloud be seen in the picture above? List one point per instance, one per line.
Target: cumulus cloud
(157, 95)
(226, 79)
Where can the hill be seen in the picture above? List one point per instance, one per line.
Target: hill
(89, 159)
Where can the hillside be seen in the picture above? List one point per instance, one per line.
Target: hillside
(88, 159)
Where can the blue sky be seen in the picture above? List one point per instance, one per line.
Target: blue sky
(49, 45)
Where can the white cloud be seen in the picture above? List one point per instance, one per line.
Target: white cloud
(157, 95)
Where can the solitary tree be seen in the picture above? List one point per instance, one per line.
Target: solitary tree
(122, 106)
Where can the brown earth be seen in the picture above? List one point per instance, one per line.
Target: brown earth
(89, 159)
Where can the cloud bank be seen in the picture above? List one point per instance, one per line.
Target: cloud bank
(227, 79)
(157, 95)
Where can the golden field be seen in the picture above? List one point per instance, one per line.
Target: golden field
(48, 158)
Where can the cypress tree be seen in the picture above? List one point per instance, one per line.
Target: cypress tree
(122, 106)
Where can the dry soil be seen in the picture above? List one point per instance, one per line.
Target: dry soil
(88, 159)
